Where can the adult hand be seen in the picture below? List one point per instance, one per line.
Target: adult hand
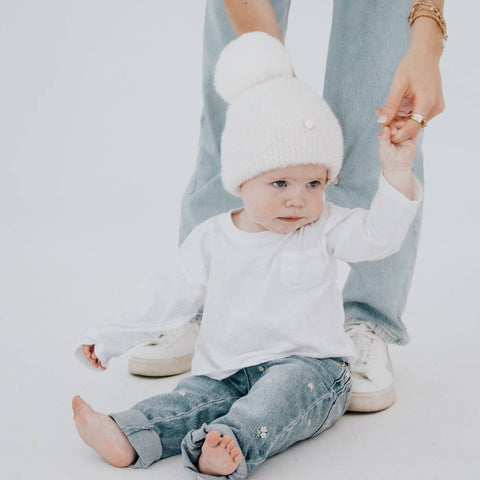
(417, 80)
(416, 88)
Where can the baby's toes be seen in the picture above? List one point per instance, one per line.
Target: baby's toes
(236, 455)
(212, 438)
(225, 441)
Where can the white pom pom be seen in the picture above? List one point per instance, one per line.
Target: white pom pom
(249, 60)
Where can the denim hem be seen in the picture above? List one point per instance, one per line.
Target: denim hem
(379, 330)
(142, 436)
(192, 448)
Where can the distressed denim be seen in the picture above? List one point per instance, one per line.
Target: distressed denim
(264, 408)
(368, 39)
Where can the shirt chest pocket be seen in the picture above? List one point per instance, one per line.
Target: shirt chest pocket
(303, 269)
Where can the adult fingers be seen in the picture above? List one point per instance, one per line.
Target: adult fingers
(412, 127)
(410, 130)
(392, 105)
(406, 107)
(397, 123)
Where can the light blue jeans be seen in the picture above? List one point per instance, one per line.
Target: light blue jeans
(264, 409)
(368, 39)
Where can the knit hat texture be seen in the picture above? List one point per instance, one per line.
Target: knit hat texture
(274, 119)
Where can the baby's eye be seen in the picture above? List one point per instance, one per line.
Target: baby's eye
(279, 183)
(314, 183)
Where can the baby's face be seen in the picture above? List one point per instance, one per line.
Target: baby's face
(285, 199)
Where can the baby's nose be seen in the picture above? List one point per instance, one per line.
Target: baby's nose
(295, 202)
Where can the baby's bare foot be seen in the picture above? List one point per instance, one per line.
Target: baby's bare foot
(219, 455)
(102, 434)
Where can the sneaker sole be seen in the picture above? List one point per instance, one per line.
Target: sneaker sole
(372, 401)
(159, 368)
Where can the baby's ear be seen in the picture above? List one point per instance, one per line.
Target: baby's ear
(332, 181)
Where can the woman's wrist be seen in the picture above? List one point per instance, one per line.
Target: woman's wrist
(426, 37)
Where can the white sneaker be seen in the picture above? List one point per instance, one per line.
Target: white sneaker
(169, 354)
(373, 387)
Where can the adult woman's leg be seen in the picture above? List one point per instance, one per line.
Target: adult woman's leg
(367, 41)
(205, 195)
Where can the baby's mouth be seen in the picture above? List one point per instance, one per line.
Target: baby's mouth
(290, 219)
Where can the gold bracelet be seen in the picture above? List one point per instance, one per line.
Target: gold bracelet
(428, 9)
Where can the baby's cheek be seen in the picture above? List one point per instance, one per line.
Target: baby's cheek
(318, 208)
(266, 208)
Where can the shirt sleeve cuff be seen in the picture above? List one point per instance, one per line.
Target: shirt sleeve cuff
(387, 189)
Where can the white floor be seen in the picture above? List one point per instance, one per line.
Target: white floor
(100, 124)
(57, 284)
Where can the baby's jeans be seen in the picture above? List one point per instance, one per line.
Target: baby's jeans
(264, 409)
(368, 38)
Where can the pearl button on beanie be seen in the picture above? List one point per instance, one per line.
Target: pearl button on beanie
(274, 119)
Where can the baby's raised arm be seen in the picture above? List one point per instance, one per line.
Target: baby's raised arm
(356, 235)
(396, 160)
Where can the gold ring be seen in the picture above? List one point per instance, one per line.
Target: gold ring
(418, 117)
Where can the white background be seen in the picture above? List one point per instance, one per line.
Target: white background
(99, 121)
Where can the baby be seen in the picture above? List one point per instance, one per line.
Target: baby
(271, 363)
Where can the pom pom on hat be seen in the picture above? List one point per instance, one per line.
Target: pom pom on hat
(274, 119)
(249, 60)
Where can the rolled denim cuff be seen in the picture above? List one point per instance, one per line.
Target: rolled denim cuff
(141, 434)
(192, 448)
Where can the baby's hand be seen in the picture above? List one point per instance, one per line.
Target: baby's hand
(396, 156)
(88, 351)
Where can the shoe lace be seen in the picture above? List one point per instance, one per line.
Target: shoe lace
(166, 339)
(364, 338)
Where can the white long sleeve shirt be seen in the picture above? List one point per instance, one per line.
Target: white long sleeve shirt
(266, 295)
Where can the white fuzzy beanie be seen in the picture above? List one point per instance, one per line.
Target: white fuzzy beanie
(274, 119)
